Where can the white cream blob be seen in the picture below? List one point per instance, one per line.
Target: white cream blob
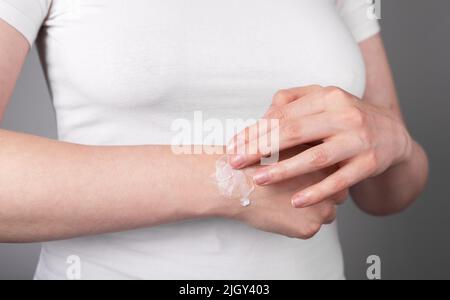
(233, 184)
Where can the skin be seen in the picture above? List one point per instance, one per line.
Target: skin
(384, 168)
(52, 190)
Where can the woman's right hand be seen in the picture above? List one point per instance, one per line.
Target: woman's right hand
(272, 211)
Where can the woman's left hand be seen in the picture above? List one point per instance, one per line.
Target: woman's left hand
(362, 139)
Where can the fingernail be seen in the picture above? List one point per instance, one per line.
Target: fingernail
(262, 178)
(299, 201)
(237, 161)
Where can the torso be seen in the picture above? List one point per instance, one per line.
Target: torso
(121, 72)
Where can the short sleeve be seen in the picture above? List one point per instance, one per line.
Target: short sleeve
(359, 18)
(26, 16)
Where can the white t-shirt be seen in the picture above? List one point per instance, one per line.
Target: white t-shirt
(120, 72)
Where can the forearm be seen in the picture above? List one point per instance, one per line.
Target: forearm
(51, 190)
(400, 185)
(394, 190)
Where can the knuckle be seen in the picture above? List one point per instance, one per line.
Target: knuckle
(293, 131)
(281, 95)
(335, 92)
(276, 113)
(280, 172)
(316, 87)
(354, 117)
(372, 162)
(327, 209)
(319, 157)
(339, 183)
(309, 231)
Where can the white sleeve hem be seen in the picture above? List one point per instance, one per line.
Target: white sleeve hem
(366, 31)
(19, 21)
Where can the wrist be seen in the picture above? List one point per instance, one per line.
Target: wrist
(235, 189)
(213, 201)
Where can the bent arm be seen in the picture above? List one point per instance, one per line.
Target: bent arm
(397, 188)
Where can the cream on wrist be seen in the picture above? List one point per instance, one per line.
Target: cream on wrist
(231, 183)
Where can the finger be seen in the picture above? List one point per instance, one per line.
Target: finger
(275, 117)
(319, 157)
(312, 103)
(315, 100)
(287, 96)
(324, 212)
(306, 130)
(353, 172)
(239, 143)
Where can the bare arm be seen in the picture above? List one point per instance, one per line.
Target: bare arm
(51, 190)
(378, 160)
(13, 51)
(395, 189)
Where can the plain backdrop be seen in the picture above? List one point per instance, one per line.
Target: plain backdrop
(413, 245)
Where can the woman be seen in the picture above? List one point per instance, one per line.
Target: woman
(120, 72)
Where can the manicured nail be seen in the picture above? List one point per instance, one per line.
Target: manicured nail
(237, 161)
(262, 178)
(299, 201)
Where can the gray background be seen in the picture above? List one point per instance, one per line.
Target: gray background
(413, 245)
